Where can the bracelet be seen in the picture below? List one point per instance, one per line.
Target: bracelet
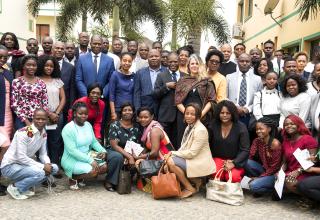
(300, 170)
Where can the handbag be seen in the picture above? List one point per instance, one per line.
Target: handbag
(124, 183)
(224, 192)
(93, 154)
(165, 185)
(148, 168)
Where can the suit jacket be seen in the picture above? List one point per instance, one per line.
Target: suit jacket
(86, 73)
(167, 108)
(196, 151)
(233, 89)
(143, 91)
(5, 75)
(69, 80)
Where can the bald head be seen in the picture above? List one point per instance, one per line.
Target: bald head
(47, 44)
(143, 51)
(255, 54)
(226, 49)
(96, 44)
(244, 62)
(84, 39)
(154, 59)
(58, 50)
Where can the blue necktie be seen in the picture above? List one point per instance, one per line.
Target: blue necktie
(243, 91)
(174, 76)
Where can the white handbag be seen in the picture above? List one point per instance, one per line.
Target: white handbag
(224, 192)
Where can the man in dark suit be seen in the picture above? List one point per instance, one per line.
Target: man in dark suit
(94, 67)
(164, 91)
(144, 81)
(227, 66)
(83, 45)
(67, 76)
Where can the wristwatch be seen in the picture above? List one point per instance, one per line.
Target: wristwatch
(300, 170)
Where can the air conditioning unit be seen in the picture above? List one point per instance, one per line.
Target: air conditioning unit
(237, 32)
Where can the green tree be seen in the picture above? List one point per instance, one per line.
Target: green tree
(130, 13)
(308, 9)
(191, 18)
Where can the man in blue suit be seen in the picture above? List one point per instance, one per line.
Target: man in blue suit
(145, 79)
(94, 67)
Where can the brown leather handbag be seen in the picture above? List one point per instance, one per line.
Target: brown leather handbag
(165, 185)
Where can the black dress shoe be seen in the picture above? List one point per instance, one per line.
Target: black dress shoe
(58, 175)
(108, 187)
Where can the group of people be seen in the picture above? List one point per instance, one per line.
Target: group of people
(78, 106)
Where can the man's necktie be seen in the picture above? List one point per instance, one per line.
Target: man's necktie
(243, 91)
(95, 61)
(174, 76)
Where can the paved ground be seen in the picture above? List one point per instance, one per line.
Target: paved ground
(94, 202)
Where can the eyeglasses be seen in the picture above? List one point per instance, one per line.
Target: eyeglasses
(214, 61)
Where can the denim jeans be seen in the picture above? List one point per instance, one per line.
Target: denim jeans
(25, 177)
(55, 142)
(261, 184)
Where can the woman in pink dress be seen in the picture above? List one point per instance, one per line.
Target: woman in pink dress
(6, 77)
(295, 135)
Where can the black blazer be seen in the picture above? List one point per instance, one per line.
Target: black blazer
(167, 110)
(68, 76)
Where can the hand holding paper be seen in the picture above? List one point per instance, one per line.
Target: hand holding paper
(302, 157)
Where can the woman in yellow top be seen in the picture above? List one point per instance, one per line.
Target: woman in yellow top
(193, 159)
(213, 60)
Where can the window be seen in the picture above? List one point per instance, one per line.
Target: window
(248, 9)
(42, 31)
(313, 44)
(30, 25)
(240, 12)
(0, 6)
(292, 50)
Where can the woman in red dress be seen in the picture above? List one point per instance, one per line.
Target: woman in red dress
(295, 135)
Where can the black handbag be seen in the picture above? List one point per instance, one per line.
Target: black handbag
(124, 183)
(148, 168)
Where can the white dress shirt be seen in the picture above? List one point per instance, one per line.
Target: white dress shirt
(240, 77)
(268, 104)
(116, 60)
(98, 59)
(24, 147)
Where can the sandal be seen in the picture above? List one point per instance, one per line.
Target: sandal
(186, 193)
(73, 184)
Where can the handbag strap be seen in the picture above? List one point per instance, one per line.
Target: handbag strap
(230, 176)
(219, 174)
(161, 168)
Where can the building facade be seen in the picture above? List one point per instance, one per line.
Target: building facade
(281, 25)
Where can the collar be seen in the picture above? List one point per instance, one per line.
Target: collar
(155, 70)
(80, 51)
(93, 54)
(34, 129)
(177, 72)
(270, 92)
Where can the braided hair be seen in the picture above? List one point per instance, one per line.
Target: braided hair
(271, 124)
(76, 106)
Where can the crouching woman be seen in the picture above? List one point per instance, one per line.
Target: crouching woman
(79, 141)
(193, 159)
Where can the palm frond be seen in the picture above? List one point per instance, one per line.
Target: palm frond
(308, 9)
(34, 6)
(219, 28)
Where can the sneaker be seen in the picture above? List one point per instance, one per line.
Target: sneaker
(28, 193)
(14, 193)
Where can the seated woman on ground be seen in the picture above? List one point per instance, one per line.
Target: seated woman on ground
(265, 157)
(123, 130)
(295, 135)
(229, 141)
(193, 159)
(79, 142)
(155, 140)
(95, 109)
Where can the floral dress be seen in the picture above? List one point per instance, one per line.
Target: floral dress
(117, 132)
(26, 97)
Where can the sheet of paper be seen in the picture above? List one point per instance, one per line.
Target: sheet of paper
(245, 182)
(130, 145)
(280, 183)
(51, 127)
(302, 157)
